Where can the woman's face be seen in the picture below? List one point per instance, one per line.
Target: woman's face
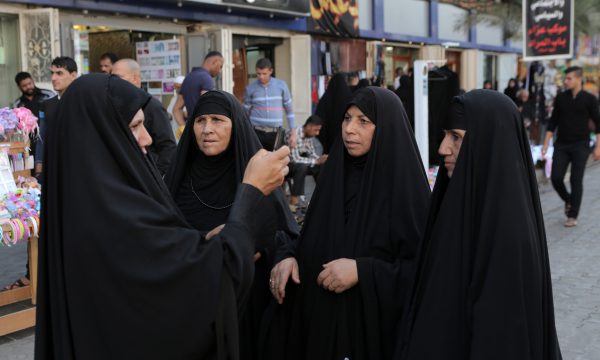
(450, 148)
(213, 133)
(357, 132)
(141, 135)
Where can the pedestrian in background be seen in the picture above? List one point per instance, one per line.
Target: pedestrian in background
(196, 83)
(267, 100)
(570, 117)
(107, 61)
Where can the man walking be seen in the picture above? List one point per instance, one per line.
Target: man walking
(156, 118)
(266, 100)
(572, 110)
(196, 83)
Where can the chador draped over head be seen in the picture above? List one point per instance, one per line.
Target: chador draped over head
(370, 208)
(204, 188)
(331, 109)
(122, 275)
(483, 287)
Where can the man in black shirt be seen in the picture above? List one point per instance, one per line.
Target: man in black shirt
(572, 110)
(31, 98)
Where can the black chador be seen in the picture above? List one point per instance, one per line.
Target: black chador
(204, 189)
(370, 208)
(483, 287)
(121, 273)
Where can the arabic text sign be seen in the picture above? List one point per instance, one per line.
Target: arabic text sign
(548, 28)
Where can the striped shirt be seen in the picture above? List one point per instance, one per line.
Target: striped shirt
(266, 104)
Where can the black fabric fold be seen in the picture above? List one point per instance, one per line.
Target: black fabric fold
(121, 274)
(331, 109)
(483, 288)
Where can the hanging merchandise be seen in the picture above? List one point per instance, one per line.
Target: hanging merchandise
(17, 122)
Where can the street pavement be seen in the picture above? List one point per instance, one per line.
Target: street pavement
(574, 261)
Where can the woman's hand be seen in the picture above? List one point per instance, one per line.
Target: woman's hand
(214, 232)
(280, 274)
(338, 275)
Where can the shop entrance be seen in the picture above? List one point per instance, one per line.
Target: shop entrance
(247, 50)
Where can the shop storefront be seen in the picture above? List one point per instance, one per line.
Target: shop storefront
(157, 45)
(388, 57)
(28, 42)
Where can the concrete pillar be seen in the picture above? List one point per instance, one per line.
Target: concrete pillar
(469, 72)
(300, 84)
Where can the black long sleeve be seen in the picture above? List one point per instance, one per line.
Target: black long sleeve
(571, 115)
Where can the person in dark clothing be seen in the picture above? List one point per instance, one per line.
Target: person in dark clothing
(443, 87)
(406, 93)
(353, 263)
(118, 254)
(331, 109)
(572, 110)
(31, 95)
(213, 152)
(482, 288)
(156, 120)
(196, 83)
(362, 83)
(107, 60)
(31, 98)
(511, 90)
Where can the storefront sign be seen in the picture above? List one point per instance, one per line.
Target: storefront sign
(334, 17)
(548, 28)
(160, 64)
(294, 6)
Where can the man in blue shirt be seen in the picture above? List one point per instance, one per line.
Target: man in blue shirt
(266, 100)
(196, 83)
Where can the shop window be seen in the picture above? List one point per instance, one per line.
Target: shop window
(490, 70)
(9, 59)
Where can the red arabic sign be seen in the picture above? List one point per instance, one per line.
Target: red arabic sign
(548, 28)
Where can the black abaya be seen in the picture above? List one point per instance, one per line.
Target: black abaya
(214, 180)
(483, 287)
(371, 209)
(121, 274)
(331, 108)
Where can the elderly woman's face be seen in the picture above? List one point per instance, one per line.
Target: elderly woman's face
(141, 135)
(213, 133)
(450, 148)
(357, 132)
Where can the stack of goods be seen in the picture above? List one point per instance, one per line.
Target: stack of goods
(19, 212)
(432, 175)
